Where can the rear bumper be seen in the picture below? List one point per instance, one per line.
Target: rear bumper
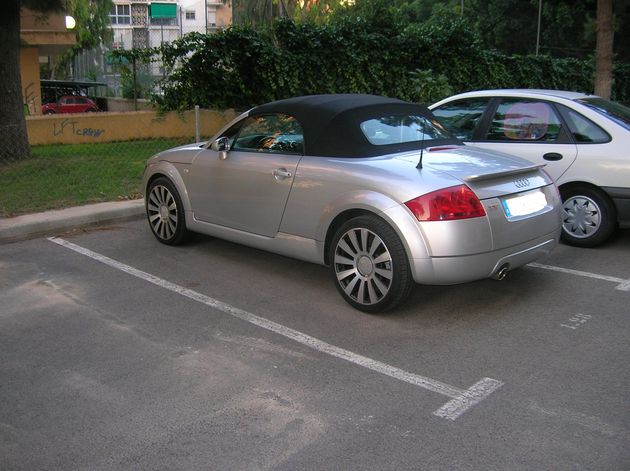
(454, 270)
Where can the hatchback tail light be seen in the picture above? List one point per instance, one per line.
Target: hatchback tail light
(456, 202)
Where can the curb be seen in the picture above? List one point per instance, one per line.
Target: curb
(51, 222)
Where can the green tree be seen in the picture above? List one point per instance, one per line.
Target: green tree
(263, 12)
(622, 25)
(604, 51)
(93, 25)
(13, 136)
(92, 29)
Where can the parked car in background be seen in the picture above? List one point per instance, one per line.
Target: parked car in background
(584, 141)
(70, 104)
(373, 187)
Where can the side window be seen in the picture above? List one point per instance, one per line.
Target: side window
(524, 120)
(274, 133)
(583, 129)
(461, 118)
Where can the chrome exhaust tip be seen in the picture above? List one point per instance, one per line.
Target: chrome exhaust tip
(502, 272)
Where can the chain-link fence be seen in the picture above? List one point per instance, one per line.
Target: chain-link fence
(77, 159)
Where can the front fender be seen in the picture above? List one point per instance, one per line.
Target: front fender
(172, 172)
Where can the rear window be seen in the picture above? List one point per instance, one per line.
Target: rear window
(401, 129)
(611, 109)
(584, 130)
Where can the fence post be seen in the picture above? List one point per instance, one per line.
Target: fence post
(197, 134)
(135, 84)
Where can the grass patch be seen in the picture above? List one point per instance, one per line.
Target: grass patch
(62, 175)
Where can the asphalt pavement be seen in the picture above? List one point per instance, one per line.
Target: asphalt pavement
(121, 353)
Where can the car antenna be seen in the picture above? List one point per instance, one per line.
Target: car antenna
(421, 149)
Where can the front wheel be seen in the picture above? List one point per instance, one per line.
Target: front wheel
(370, 266)
(165, 213)
(588, 216)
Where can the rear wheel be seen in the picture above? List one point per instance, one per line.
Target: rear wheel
(370, 265)
(588, 216)
(165, 213)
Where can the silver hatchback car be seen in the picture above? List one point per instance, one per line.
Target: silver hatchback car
(372, 187)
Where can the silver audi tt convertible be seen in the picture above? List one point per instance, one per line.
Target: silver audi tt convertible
(372, 187)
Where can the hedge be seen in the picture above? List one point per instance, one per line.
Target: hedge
(242, 66)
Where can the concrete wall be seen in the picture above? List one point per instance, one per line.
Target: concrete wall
(48, 32)
(34, 21)
(108, 127)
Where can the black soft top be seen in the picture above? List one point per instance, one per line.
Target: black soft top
(331, 123)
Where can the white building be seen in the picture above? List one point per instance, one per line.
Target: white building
(144, 23)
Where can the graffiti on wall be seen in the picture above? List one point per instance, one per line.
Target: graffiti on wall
(29, 99)
(69, 126)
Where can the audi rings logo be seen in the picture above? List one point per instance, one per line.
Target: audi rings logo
(521, 182)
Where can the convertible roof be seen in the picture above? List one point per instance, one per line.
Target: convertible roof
(331, 123)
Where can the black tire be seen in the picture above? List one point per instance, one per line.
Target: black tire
(589, 217)
(369, 265)
(165, 213)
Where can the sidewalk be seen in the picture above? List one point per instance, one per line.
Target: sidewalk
(52, 222)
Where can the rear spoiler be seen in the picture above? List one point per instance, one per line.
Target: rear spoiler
(504, 173)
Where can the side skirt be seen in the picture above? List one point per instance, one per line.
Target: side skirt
(288, 245)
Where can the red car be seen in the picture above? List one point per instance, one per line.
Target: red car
(70, 104)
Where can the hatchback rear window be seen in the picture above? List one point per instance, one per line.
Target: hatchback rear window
(611, 109)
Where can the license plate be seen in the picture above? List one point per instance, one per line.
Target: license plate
(524, 204)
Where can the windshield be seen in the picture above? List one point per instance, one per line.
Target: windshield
(611, 109)
(401, 129)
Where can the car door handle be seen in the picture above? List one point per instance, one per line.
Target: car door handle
(552, 156)
(281, 173)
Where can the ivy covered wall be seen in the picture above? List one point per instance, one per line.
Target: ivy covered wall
(242, 66)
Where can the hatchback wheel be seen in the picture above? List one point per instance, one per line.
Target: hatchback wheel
(369, 264)
(588, 216)
(165, 213)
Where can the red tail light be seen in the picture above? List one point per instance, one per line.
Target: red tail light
(456, 202)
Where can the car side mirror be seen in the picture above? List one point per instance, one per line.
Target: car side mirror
(222, 146)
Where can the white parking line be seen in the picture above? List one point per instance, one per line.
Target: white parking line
(622, 284)
(461, 399)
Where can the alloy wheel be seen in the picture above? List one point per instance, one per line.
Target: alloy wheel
(162, 209)
(363, 266)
